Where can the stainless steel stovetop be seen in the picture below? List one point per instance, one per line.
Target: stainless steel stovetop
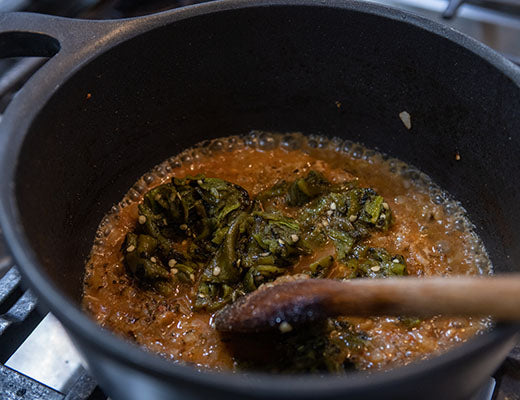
(37, 360)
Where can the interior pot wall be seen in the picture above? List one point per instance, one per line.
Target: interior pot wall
(272, 68)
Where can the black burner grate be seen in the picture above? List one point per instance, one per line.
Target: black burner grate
(18, 318)
(511, 6)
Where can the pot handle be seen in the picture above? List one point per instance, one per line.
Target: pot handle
(37, 35)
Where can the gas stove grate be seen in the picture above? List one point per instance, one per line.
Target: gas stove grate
(512, 6)
(19, 316)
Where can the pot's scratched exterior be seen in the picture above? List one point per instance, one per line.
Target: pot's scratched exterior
(117, 97)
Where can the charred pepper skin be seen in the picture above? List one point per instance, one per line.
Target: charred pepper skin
(233, 244)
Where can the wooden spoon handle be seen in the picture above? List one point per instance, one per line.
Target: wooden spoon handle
(300, 301)
(498, 296)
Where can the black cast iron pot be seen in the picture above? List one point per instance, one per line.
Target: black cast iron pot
(161, 83)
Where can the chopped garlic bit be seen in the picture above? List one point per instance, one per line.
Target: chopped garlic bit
(216, 271)
(172, 263)
(130, 248)
(153, 259)
(406, 118)
(285, 327)
(295, 238)
(142, 219)
(352, 218)
(174, 271)
(192, 277)
(333, 206)
(375, 268)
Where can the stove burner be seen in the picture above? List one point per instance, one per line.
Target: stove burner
(512, 6)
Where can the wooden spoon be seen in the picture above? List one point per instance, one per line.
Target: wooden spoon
(284, 305)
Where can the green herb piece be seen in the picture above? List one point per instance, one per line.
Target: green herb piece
(369, 262)
(270, 198)
(305, 189)
(276, 234)
(320, 268)
(375, 212)
(343, 242)
(139, 260)
(372, 209)
(185, 273)
(223, 267)
(212, 296)
(259, 274)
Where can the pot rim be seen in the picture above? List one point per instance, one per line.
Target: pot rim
(15, 125)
